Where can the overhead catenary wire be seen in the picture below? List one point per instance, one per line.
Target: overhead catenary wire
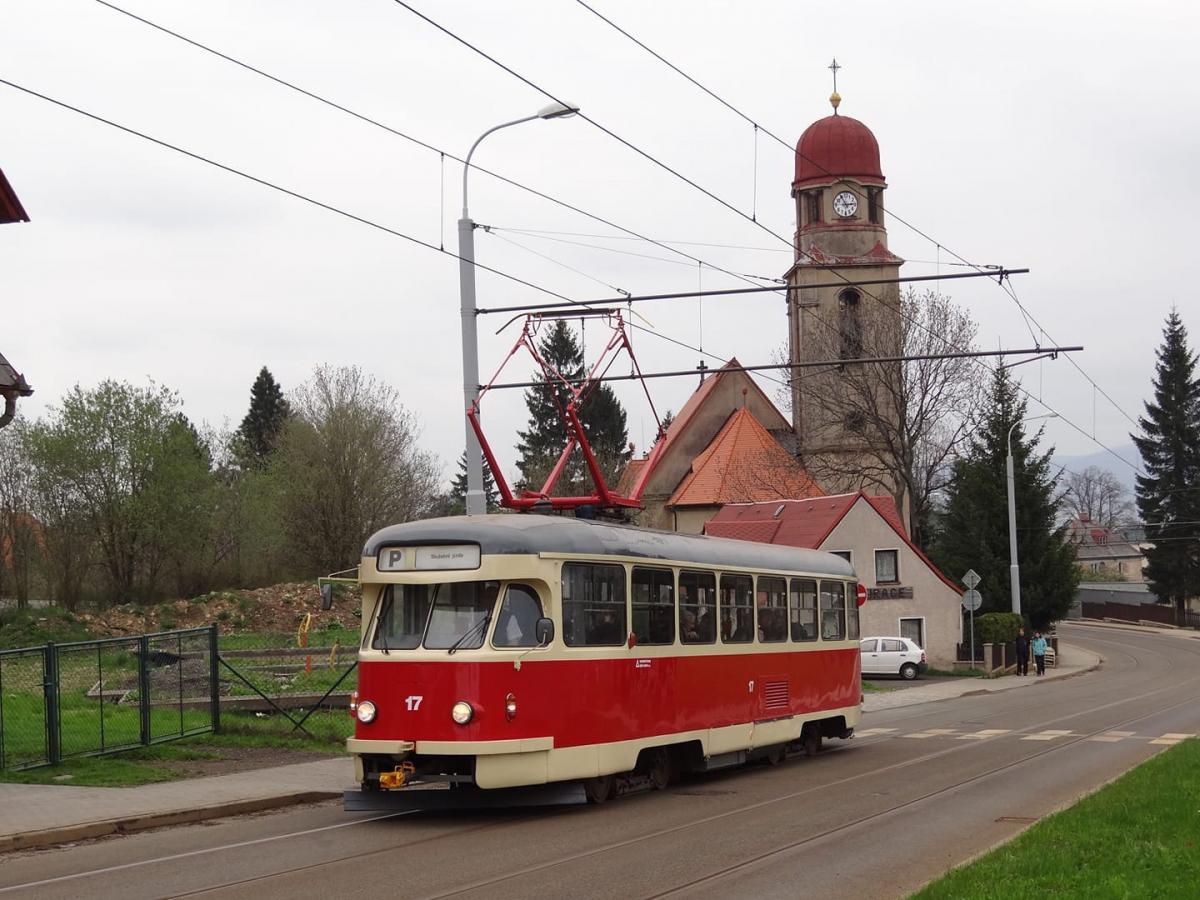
(1027, 316)
(444, 154)
(528, 82)
(275, 187)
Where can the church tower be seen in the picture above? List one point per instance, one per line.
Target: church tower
(841, 241)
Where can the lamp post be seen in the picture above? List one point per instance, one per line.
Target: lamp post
(1014, 569)
(476, 504)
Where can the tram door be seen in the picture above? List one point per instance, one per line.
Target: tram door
(772, 694)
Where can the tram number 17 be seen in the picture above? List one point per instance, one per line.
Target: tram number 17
(413, 701)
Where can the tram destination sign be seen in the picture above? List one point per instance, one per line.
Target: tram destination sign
(425, 559)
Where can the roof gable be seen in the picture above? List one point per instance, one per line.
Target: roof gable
(743, 463)
(11, 209)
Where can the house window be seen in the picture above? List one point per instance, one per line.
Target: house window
(914, 630)
(887, 566)
(844, 554)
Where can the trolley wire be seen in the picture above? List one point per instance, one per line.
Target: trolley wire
(1027, 316)
(276, 187)
(444, 154)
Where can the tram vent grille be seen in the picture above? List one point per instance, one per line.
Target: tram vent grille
(775, 695)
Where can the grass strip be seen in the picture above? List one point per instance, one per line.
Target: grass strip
(1137, 837)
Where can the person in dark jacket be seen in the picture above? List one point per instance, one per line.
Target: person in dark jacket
(1022, 652)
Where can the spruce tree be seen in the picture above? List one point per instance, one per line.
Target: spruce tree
(973, 531)
(457, 505)
(1168, 495)
(257, 435)
(545, 436)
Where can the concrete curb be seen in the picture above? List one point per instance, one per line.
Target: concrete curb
(130, 824)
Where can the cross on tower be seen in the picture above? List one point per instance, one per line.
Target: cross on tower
(833, 67)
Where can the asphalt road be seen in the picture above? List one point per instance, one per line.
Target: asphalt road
(922, 789)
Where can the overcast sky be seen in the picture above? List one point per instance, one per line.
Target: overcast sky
(1056, 136)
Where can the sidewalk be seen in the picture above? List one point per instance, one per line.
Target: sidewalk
(38, 815)
(1071, 661)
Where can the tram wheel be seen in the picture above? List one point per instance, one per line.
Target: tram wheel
(811, 740)
(776, 755)
(601, 789)
(661, 768)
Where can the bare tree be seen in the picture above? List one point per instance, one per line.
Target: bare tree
(349, 464)
(904, 421)
(1097, 496)
(20, 533)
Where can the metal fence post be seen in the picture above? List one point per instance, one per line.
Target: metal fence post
(50, 686)
(144, 686)
(214, 680)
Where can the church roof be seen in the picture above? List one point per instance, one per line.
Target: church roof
(743, 463)
(11, 209)
(837, 147)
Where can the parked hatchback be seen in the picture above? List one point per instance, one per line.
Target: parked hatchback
(892, 656)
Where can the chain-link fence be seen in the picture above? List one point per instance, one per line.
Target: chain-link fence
(91, 697)
(289, 683)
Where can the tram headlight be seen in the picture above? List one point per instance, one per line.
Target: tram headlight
(462, 712)
(365, 711)
(510, 707)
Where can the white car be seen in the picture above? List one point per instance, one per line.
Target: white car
(892, 656)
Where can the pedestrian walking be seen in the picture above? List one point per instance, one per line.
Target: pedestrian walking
(1022, 652)
(1039, 652)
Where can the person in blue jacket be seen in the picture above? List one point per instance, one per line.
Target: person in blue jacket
(1039, 652)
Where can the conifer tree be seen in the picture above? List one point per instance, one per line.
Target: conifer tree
(260, 429)
(1168, 495)
(457, 505)
(601, 414)
(973, 532)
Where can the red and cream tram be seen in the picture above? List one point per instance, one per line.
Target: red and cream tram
(517, 650)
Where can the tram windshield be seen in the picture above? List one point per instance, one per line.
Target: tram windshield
(439, 616)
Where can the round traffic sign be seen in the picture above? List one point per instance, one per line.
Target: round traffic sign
(862, 594)
(972, 600)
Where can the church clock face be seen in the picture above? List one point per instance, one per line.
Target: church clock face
(845, 204)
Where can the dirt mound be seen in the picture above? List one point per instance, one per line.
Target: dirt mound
(279, 608)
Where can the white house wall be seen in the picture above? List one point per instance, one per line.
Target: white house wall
(862, 531)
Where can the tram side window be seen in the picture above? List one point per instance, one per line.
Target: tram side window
(697, 607)
(593, 601)
(652, 602)
(517, 622)
(833, 611)
(804, 609)
(771, 599)
(737, 610)
(851, 613)
(402, 617)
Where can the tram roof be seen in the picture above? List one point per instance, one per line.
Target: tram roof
(533, 534)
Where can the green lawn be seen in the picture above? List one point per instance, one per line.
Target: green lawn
(1138, 837)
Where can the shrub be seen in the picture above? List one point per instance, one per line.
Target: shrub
(997, 628)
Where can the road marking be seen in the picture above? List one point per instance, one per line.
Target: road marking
(1046, 735)
(1112, 737)
(189, 853)
(933, 732)
(871, 732)
(1170, 738)
(984, 734)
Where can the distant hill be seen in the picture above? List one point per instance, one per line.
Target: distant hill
(1104, 460)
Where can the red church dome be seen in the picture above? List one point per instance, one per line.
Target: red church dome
(834, 147)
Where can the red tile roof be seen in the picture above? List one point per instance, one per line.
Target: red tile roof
(799, 523)
(807, 523)
(11, 209)
(743, 463)
(629, 476)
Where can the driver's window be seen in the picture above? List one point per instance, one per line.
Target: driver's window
(517, 623)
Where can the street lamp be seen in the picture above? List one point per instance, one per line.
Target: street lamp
(466, 286)
(1014, 569)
